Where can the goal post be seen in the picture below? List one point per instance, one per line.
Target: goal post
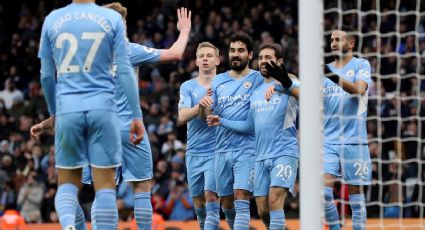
(310, 62)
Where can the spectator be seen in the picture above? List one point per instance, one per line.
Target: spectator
(48, 208)
(30, 199)
(171, 145)
(179, 202)
(10, 95)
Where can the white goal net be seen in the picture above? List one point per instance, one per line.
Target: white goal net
(391, 36)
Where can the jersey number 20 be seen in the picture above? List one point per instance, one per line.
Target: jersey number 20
(65, 66)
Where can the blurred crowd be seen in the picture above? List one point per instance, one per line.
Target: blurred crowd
(28, 178)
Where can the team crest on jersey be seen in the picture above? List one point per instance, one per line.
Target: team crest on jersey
(350, 72)
(247, 84)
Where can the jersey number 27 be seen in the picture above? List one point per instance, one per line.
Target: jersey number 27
(65, 66)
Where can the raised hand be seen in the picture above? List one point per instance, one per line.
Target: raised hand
(184, 19)
(279, 73)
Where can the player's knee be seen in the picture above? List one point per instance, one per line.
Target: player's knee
(210, 196)
(241, 194)
(72, 176)
(354, 189)
(103, 178)
(227, 202)
(198, 201)
(277, 198)
(142, 186)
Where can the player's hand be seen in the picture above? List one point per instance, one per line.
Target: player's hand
(184, 23)
(209, 92)
(36, 130)
(279, 73)
(269, 92)
(136, 131)
(329, 74)
(206, 101)
(213, 120)
(327, 71)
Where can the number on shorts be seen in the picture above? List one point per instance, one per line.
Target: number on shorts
(65, 66)
(361, 168)
(285, 171)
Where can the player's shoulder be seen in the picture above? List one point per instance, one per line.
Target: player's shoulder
(55, 14)
(256, 76)
(221, 77)
(190, 84)
(361, 61)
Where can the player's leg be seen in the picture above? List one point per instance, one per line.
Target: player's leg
(86, 178)
(244, 177)
(261, 191)
(224, 180)
(137, 167)
(283, 174)
(66, 200)
(212, 205)
(331, 169)
(196, 181)
(104, 150)
(200, 210)
(142, 204)
(276, 201)
(263, 209)
(356, 172)
(70, 157)
(228, 208)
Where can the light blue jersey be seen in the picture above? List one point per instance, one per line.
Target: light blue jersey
(138, 54)
(231, 101)
(273, 122)
(200, 137)
(134, 155)
(81, 39)
(345, 114)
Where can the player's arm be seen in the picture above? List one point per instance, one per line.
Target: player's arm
(187, 114)
(246, 126)
(48, 83)
(206, 104)
(184, 24)
(48, 69)
(359, 86)
(37, 129)
(126, 77)
(186, 111)
(141, 54)
(294, 90)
